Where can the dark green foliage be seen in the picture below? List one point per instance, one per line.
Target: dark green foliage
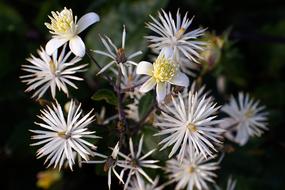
(105, 94)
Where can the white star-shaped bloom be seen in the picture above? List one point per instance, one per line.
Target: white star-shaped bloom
(135, 162)
(64, 137)
(173, 34)
(192, 173)
(189, 122)
(54, 72)
(117, 55)
(246, 119)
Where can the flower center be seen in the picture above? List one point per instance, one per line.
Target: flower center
(191, 127)
(61, 22)
(191, 169)
(134, 163)
(164, 69)
(249, 113)
(64, 135)
(180, 33)
(121, 56)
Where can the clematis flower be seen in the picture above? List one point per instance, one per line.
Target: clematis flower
(51, 72)
(189, 122)
(174, 34)
(63, 137)
(163, 72)
(65, 28)
(194, 172)
(246, 118)
(135, 163)
(118, 55)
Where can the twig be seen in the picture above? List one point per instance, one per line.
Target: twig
(122, 124)
(122, 117)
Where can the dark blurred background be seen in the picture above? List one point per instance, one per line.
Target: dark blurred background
(252, 60)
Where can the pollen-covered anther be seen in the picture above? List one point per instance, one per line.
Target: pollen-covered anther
(191, 169)
(121, 56)
(192, 127)
(164, 69)
(63, 134)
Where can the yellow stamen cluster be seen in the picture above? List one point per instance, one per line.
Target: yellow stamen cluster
(191, 169)
(192, 127)
(164, 69)
(63, 134)
(61, 22)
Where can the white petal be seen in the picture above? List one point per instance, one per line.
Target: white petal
(180, 79)
(77, 46)
(54, 44)
(123, 69)
(86, 20)
(144, 68)
(148, 85)
(160, 91)
(167, 52)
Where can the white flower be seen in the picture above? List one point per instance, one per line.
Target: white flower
(162, 72)
(118, 55)
(189, 122)
(192, 173)
(134, 185)
(64, 137)
(246, 119)
(188, 67)
(135, 162)
(65, 27)
(51, 72)
(173, 35)
(110, 164)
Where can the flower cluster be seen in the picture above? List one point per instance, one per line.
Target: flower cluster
(64, 138)
(190, 127)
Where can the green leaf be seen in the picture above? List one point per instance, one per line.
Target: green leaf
(105, 94)
(145, 104)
